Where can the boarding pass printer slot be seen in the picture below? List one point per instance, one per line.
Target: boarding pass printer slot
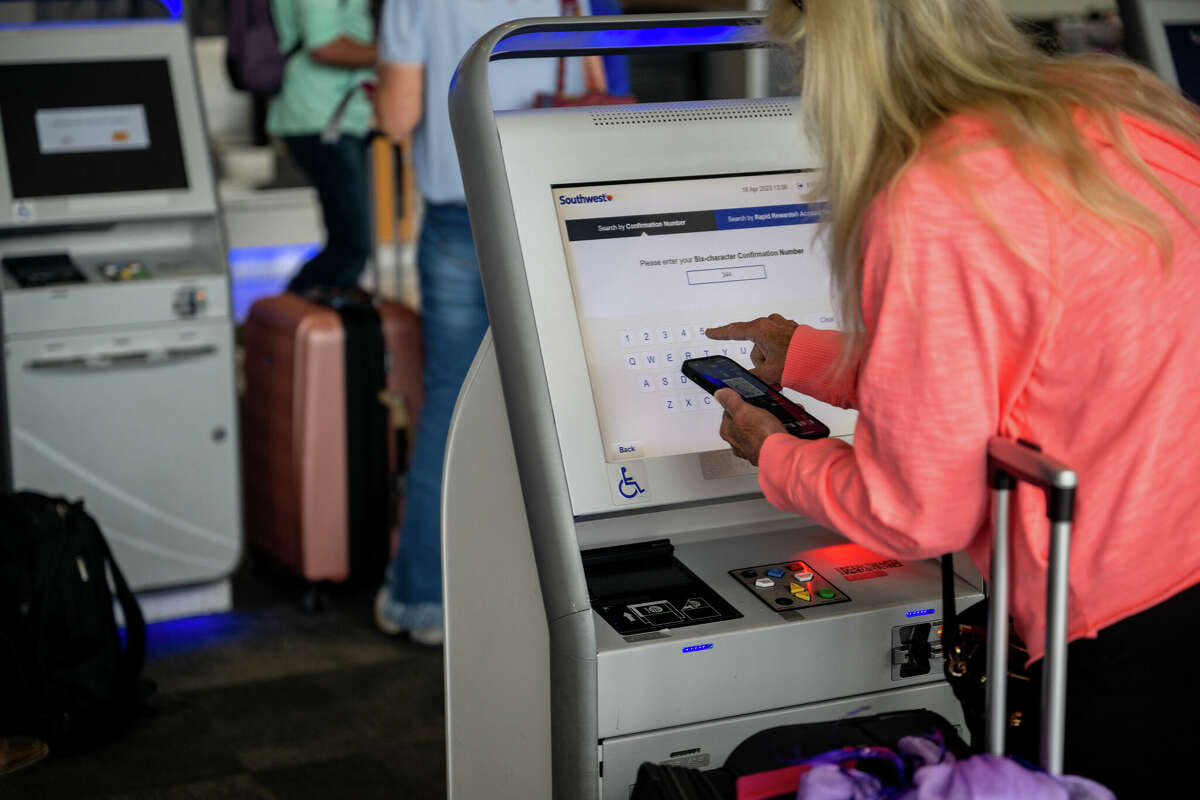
(643, 589)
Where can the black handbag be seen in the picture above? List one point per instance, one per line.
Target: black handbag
(964, 644)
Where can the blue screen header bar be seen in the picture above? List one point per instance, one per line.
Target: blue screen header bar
(768, 216)
(724, 219)
(624, 40)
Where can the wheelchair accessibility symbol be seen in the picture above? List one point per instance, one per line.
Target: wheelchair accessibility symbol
(627, 486)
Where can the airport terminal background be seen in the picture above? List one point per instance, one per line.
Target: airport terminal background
(272, 218)
(269, 700)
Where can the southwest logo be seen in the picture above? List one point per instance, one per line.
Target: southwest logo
(563, 200)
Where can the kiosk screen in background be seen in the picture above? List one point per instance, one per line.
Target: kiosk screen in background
(1184, 42)
(90, 127)
(654, 263)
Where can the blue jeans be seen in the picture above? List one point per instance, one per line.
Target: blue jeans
(338, 171)
(453, 321)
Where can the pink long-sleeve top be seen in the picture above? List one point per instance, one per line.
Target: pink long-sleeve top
(991, 310)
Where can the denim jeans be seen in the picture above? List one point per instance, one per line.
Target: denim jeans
(453, 321)
(338, 171)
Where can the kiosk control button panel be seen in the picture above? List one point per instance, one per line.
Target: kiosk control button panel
(115, 271)
(789, 586)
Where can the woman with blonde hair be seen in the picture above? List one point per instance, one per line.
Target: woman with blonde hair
(1015, 244)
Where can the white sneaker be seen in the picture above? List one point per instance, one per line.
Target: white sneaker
(430, 637)
(381, 617)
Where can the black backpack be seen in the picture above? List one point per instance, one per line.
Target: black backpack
(252, 56)
(66, 676)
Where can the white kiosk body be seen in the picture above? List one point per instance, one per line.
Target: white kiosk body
(617, 589)
(118, 339)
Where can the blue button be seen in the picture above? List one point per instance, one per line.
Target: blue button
(776, 572)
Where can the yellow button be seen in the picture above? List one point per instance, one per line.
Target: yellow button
(801, 592)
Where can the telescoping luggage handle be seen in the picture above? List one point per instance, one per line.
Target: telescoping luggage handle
(1008, 463)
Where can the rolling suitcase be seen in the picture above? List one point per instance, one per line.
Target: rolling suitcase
(1008, 463)
(1011, 462)
(329, 389)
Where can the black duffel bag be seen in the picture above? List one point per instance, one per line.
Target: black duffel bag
(66, 674)
(789, 745)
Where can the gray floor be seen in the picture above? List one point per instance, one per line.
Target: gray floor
(270, 702)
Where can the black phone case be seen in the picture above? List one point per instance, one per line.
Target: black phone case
(695, 377)
(806, 426)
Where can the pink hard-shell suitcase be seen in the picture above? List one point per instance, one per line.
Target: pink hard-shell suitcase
(321, 481)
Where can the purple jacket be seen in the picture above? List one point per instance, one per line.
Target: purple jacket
(940, 776)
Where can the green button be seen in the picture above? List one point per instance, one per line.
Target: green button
(828, 594)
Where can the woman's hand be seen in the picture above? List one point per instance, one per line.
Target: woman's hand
(744, 426)
(771, 336)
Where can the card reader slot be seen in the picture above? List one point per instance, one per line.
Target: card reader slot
(126, 358)
(624, 554)
(77, 362)
(194, 351)
(42, 269)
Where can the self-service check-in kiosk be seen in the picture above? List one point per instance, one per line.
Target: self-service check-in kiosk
(617, 588)
(118, 340)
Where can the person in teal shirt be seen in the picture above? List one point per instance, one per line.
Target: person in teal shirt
(333, 51)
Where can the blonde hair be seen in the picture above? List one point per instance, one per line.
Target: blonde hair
(880, 76)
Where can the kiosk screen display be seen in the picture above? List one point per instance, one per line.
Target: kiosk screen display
(90, 127)
(1184, 41)
(653, 264)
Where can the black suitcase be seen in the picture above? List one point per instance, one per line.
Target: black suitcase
(369, 478)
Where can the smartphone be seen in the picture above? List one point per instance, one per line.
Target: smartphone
(720, 372)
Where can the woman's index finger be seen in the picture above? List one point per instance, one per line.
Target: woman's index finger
(734, 330)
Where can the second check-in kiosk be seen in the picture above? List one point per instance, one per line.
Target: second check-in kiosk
(118, 380)
(617, 588)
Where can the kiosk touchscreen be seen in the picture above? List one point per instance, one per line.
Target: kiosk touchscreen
(100, 124)
(654, 263)
(633, 252)
(93, 127)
